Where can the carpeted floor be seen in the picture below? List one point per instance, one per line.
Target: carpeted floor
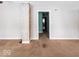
(42, 47)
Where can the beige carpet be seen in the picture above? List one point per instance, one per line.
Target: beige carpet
(40, 48)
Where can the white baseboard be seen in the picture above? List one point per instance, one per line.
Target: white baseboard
(9, 38)
(25, 42)
(64, 38)
(35, 39)
(15, 38)
(58, 38)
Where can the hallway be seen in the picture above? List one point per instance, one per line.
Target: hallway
(43, 36)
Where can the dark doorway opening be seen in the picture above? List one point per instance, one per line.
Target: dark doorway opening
(43, 25)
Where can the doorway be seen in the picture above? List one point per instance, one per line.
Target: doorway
(43, 18)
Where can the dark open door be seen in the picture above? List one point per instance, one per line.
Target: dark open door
(43, 18)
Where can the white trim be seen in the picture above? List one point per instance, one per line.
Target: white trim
(35, 38)
(9, 38)
(25, 42)
(49, 20)
(25, 37)
(64, 38)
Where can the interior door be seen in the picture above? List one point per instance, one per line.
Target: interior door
(40, 15)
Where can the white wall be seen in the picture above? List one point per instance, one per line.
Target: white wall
(13, 19)
(64, 19)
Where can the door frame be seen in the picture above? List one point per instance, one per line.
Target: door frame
(38, 20)
(26, 40)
